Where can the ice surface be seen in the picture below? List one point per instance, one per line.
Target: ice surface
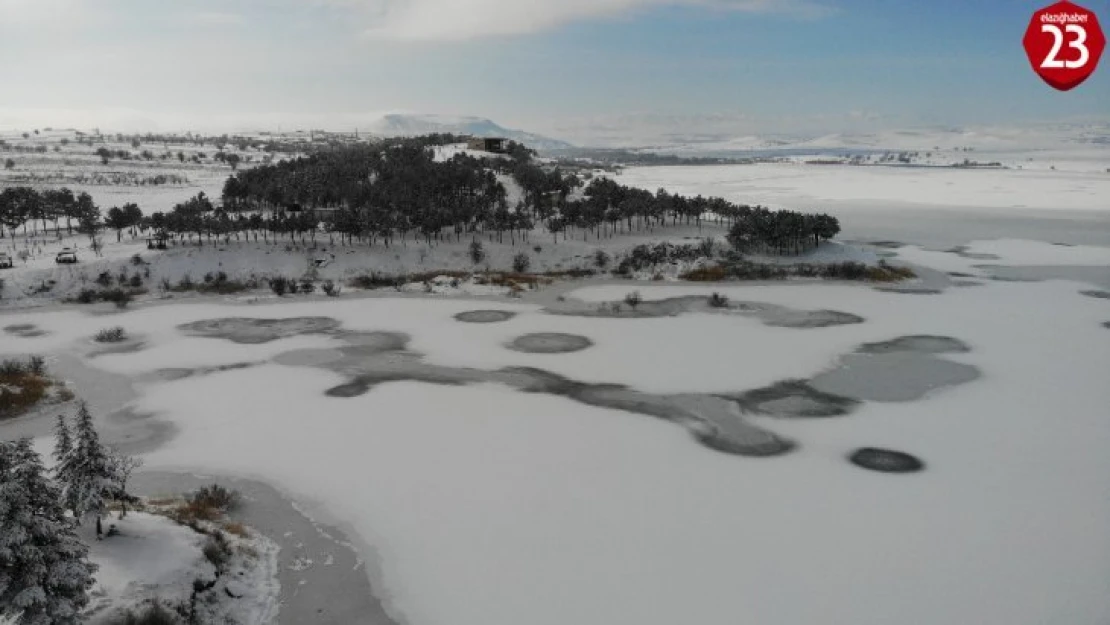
(489, 506)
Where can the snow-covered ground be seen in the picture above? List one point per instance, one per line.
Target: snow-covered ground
(64, 162)
(794, 185)
(148, 559)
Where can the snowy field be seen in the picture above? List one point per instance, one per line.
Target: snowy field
(938, 207)
(792, 185)
(485, 505)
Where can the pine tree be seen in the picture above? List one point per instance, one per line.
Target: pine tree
(45, 574)
(63, 442)
(63, 448)
(87, 475)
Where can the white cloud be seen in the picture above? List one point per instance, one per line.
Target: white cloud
(455, 20)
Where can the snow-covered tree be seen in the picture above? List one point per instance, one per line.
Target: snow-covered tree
(122, 467)
(45, 574)
(86, 474)
(63, 442)
(63, 448)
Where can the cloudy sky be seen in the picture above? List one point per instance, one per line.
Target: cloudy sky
(569, 68)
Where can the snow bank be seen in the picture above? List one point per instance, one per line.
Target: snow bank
(150, 557)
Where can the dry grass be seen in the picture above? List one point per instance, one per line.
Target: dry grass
(209, 503)
(237, 529)
(494, 278)
(191, 511)
(715, 273)
(836, 271)
(889, 273)
(19, 392)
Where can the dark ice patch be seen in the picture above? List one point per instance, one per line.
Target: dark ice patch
(252, 331)
(550, 343)
(794, 398)
(886, 460)
(484, 316)
(25, 330)
(917, 343)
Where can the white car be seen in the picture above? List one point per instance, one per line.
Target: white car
(6, 261)
(66, 256)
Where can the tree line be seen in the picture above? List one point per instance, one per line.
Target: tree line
(29, 208)
(397, 189)
(383, 191)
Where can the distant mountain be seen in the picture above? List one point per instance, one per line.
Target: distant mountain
(983, 139)
(406, 125)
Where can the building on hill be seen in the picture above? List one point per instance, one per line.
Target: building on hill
(497, 145)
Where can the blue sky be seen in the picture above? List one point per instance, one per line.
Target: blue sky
(565, 67)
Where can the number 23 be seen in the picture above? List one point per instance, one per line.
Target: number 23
(1079, 43)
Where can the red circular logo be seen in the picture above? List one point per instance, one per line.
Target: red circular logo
(1064, 42)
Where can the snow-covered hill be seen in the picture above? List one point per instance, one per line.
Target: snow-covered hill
(1091, 138)
(407, 124)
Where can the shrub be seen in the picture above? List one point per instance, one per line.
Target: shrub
(376, 281)
(222, 285)
(111, 335)
(716, 300)
(217, 550)
(307, 287)
(186, 283)
(22, 385)
(215, 497)
(279, 285)
(633, 299)
(846, 271)
(601, 259)
(153, 614)
(330, 288)
(706, 247)
(36, 365)
(136, 260)
(119, 297)
(12, 367)
(477, 251)
(86, 296)
(521, 262)
(238, 529)
(104, 279)
(715, 273)
(135, 281)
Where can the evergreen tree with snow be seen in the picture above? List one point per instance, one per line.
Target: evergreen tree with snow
(86, 473)
(63, 442)
(63, 448)
(45, 574)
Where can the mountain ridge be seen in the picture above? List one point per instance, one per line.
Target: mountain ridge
(412, 124)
